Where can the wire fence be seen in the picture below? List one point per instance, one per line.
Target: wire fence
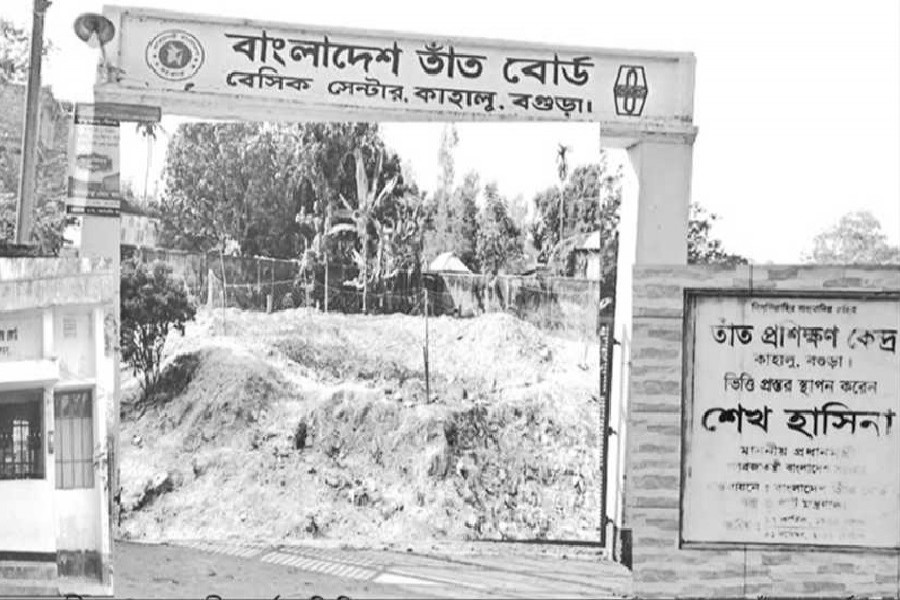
(571, 308)
(568, 307)
(251, 277)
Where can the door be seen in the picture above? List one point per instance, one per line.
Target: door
(27, 527)
(77, 507)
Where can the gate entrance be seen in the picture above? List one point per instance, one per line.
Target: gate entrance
(214, 68)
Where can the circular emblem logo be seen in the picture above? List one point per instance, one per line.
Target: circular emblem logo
(175, 55)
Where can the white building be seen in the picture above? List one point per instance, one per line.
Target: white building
(58, 339)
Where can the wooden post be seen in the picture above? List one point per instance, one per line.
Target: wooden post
(224, 293)
(210, 291)
(506, 296)
(326, 282)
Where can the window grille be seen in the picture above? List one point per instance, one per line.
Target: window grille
(74, 440)
(21, 435)
(70, 328)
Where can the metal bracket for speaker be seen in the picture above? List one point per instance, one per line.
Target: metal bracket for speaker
(96, 31)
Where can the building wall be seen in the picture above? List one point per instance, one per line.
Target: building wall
(27, 507)
(138, 230)
(28, 283)
(654, 449)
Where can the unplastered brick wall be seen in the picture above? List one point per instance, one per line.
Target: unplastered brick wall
(654, 449)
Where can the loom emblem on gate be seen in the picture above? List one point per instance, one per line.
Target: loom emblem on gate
(630, 91)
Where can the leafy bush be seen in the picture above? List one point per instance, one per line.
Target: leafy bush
(153, 301)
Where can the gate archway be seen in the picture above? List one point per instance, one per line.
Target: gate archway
(217, 68)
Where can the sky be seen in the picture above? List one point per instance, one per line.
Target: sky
(797, 103)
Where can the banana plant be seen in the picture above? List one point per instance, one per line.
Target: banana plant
(368, 199)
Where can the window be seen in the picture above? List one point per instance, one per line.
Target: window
(74, 440)
(21, 435)
(70, 327)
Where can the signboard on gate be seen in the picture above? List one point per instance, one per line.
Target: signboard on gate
(792, 433)
(193, 63)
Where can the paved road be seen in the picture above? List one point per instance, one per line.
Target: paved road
(198, 569)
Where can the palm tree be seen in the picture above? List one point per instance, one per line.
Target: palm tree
(148, 131)
(562, 168)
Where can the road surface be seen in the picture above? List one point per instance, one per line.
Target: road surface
(200, 569)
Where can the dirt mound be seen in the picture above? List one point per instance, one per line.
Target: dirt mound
(492, 468)
(208, 398)
(306, 425)
(212, 394)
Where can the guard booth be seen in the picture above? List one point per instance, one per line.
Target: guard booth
(57, 348)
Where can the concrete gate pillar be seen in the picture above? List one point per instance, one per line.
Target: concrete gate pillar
(652, 231)
(663, 169)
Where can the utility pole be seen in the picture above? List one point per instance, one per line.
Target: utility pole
(425, 354)
(25, 213)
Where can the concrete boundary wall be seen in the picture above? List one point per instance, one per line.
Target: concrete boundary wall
(29, 283)
(652, 511)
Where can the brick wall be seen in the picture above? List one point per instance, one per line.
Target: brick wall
(661, 569)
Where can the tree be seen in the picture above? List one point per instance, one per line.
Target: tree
(592, 199)
(368, 199)
(401, 234)
(592, 195)
(152, 303)
(271, 187)
(15, 52)
(855, 239)
(206, 185)
(499, 240)
(49, 218)
(465, 221)
(439, 237)
(149, 131)
(562, 169)
(702, 247)
(452, 211)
